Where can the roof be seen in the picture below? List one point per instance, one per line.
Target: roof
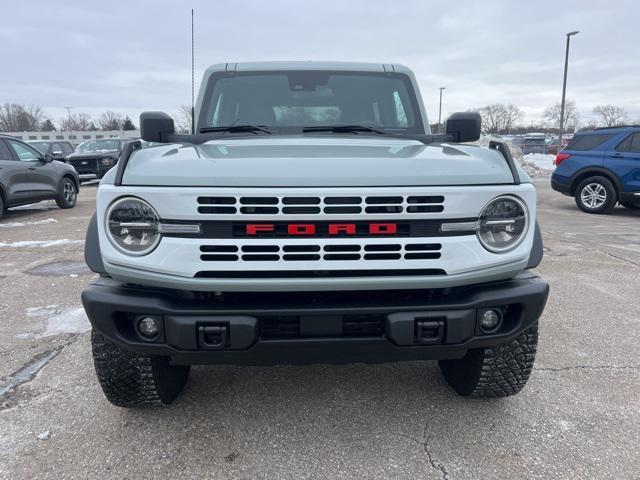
(308, 65)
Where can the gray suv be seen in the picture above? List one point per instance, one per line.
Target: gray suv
(28, 175)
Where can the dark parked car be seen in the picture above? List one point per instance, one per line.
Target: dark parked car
(28, 175)
(57, 149)
(600, 168)
(534, 144)
(93, 158)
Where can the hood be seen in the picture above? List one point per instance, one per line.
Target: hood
(315, 161)
(105, 153)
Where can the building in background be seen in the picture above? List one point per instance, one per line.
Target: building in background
(75, 138)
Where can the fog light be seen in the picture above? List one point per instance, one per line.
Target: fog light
(149, 327)
(490, 319)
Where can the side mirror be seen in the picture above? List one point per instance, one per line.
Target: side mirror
(47, 158)
(56, 155)
(464, 126)
(155, 126)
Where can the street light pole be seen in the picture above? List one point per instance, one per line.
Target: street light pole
(564, 86)
(440, 111)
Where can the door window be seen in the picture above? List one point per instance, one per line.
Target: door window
(635, 143)
(625, 145)
(26, 154)
(56, 149)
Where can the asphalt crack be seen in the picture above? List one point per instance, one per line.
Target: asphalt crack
(424, 443)
(29, 371)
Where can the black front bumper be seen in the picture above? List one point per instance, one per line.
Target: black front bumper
(314, 327)
(632, 198)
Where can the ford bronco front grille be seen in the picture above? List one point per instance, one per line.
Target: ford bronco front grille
(330, 205)
(313, 252)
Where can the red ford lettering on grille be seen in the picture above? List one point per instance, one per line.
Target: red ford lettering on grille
(263, 227)
(330, 229)
(338, 228)
(301, 229)
(382, 228)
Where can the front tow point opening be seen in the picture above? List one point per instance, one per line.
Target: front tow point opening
(429, 332)
(213, 337)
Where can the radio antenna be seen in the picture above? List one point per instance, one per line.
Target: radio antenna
(193, 61)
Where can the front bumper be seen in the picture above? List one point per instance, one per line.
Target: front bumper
(314, 327)
(632, 198)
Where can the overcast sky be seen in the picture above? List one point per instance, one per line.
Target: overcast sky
(134, 56)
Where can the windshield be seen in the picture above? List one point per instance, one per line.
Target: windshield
(99, 146)
(290, 100)
(42, 146)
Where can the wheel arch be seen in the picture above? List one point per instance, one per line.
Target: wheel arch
(594, 171)
(72, 177)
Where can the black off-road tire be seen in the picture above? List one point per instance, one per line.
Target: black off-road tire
(130, 379)
(67, 193)
(494, 372)
(601, 184)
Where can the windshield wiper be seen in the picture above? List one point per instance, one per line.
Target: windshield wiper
(345, 129)
(237, 128)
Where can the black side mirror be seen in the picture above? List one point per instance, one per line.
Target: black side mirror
(47, 158)
(156, 126)
(464, 126)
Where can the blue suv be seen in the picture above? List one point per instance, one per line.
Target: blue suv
(600, 168)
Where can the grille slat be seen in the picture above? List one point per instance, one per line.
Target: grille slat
(311, 252)
(330, 205)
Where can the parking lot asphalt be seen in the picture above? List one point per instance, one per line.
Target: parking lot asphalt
(578, 418)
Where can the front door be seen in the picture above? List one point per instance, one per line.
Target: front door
(13, 176)
(41, 174)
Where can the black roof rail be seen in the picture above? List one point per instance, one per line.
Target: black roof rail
(506, 153)
(617, 126)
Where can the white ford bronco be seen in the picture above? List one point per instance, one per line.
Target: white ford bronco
(312, 217)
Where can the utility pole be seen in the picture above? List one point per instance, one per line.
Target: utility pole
(564, 86)
(69, 112)
(440, 111)
(193, 62)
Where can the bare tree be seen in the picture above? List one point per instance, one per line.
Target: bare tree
(110, 121)
(78, 122)
(183, 119)
(611, 115)
(499, 117)
(571, 115)
(15, 117)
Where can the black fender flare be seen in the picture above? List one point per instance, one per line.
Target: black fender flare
(92, 255)
(537, 249)
(573, 185)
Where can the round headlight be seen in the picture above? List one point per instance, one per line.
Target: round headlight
(132, 226)
(503, 224)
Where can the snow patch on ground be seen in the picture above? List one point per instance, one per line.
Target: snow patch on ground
(23, 224)
(60, 320)
(538, 168)
(541, 160)
(40, 243)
